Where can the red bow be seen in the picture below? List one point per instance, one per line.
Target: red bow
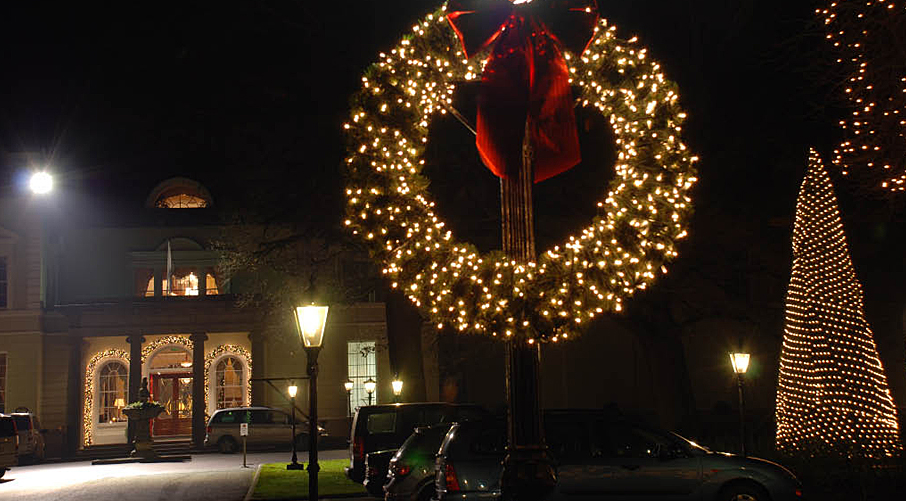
(525, 78)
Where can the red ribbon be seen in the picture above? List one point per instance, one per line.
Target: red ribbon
(525, 78)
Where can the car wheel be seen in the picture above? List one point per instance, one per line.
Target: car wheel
(743, 492)
(302, 442)
(227, 445)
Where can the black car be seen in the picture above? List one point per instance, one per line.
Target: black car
(598, 455)
(387, 426)
(411, 472)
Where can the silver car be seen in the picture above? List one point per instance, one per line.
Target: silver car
(267, 427)
(601, 456)
(411, 471)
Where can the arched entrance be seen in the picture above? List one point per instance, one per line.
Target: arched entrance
(170, 382)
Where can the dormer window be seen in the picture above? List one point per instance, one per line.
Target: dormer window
(179, 193)
(181, 201)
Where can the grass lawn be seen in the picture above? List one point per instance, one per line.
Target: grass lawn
(276, 482)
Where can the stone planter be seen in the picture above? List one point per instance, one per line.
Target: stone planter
(141, 417)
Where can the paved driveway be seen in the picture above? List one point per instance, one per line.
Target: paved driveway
(214, 477)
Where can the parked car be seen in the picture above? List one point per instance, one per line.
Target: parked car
(410, 476)
(600, 456)
(387, 426)
(376, 464)
(9, 443)
(31, 436)
(268, 427)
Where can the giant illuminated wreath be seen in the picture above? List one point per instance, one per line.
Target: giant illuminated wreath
(638, 222)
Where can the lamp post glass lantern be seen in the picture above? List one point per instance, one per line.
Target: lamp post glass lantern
(397, 386)
(310, 322)
(370, 385)
(40, 183)
(740, 363)
(294, 465)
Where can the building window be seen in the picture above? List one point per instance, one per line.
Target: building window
(229, 382)
(185, 283)
(112, 384)
(2, 382)
(361, 365)
(210, 282)
(181, 201)
(4, 283)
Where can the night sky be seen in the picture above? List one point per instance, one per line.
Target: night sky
(248, 98)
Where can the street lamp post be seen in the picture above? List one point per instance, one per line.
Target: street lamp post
(310, 321)
(348, 385)
(397, 385)
(294, 465)
(740, 363)
(370, 386)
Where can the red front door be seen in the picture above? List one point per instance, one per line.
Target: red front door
(174, 392)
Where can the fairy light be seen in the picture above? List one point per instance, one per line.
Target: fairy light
(640, 218)
(832, 393)
(90, 369)
(228, 349)
(863, 34)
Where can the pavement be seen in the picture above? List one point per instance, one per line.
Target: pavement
(207, 477)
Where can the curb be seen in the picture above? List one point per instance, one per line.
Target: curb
(248, 495)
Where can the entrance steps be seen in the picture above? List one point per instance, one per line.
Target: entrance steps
(162, 446)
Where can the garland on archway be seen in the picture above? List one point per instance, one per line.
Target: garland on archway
(228, 349)
(640, 217)
(115, 354)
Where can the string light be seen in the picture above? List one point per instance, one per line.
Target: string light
(832, 394)
(639, 220)
(103, 356)
(864, 34)
(147, 351)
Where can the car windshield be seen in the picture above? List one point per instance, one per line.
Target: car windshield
(7, 427)
(21, 422)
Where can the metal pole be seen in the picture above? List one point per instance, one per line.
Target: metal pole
(528, 471)
(742, 418)
(313, 466)
(348, 403)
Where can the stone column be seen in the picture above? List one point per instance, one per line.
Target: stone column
(158, 282)
(135, 374)
(198, 389)
(74, 398)
(202, 283)
(257, 340)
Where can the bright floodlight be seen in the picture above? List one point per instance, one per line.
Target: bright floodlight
(310, 321)
(292, 391)
(740, 362)
(40, 183)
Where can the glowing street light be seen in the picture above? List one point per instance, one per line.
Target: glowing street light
(292, 390)
(41, 183)
(310, 322)
(348, 385)
(740, 362)
(370, 386)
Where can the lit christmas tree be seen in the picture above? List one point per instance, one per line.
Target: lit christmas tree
(869, 39)
(832, 394)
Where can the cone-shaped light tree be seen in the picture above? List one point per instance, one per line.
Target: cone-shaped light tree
(832, 394)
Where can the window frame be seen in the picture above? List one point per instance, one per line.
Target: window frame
(4, 363)
(243, 370)
(358, 373)
(100, 392)
(4, 283)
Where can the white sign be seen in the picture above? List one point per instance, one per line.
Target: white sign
(243, 429)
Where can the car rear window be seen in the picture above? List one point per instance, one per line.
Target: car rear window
(227, 417)
(382, 422)
(7, 427)
(22, 422)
